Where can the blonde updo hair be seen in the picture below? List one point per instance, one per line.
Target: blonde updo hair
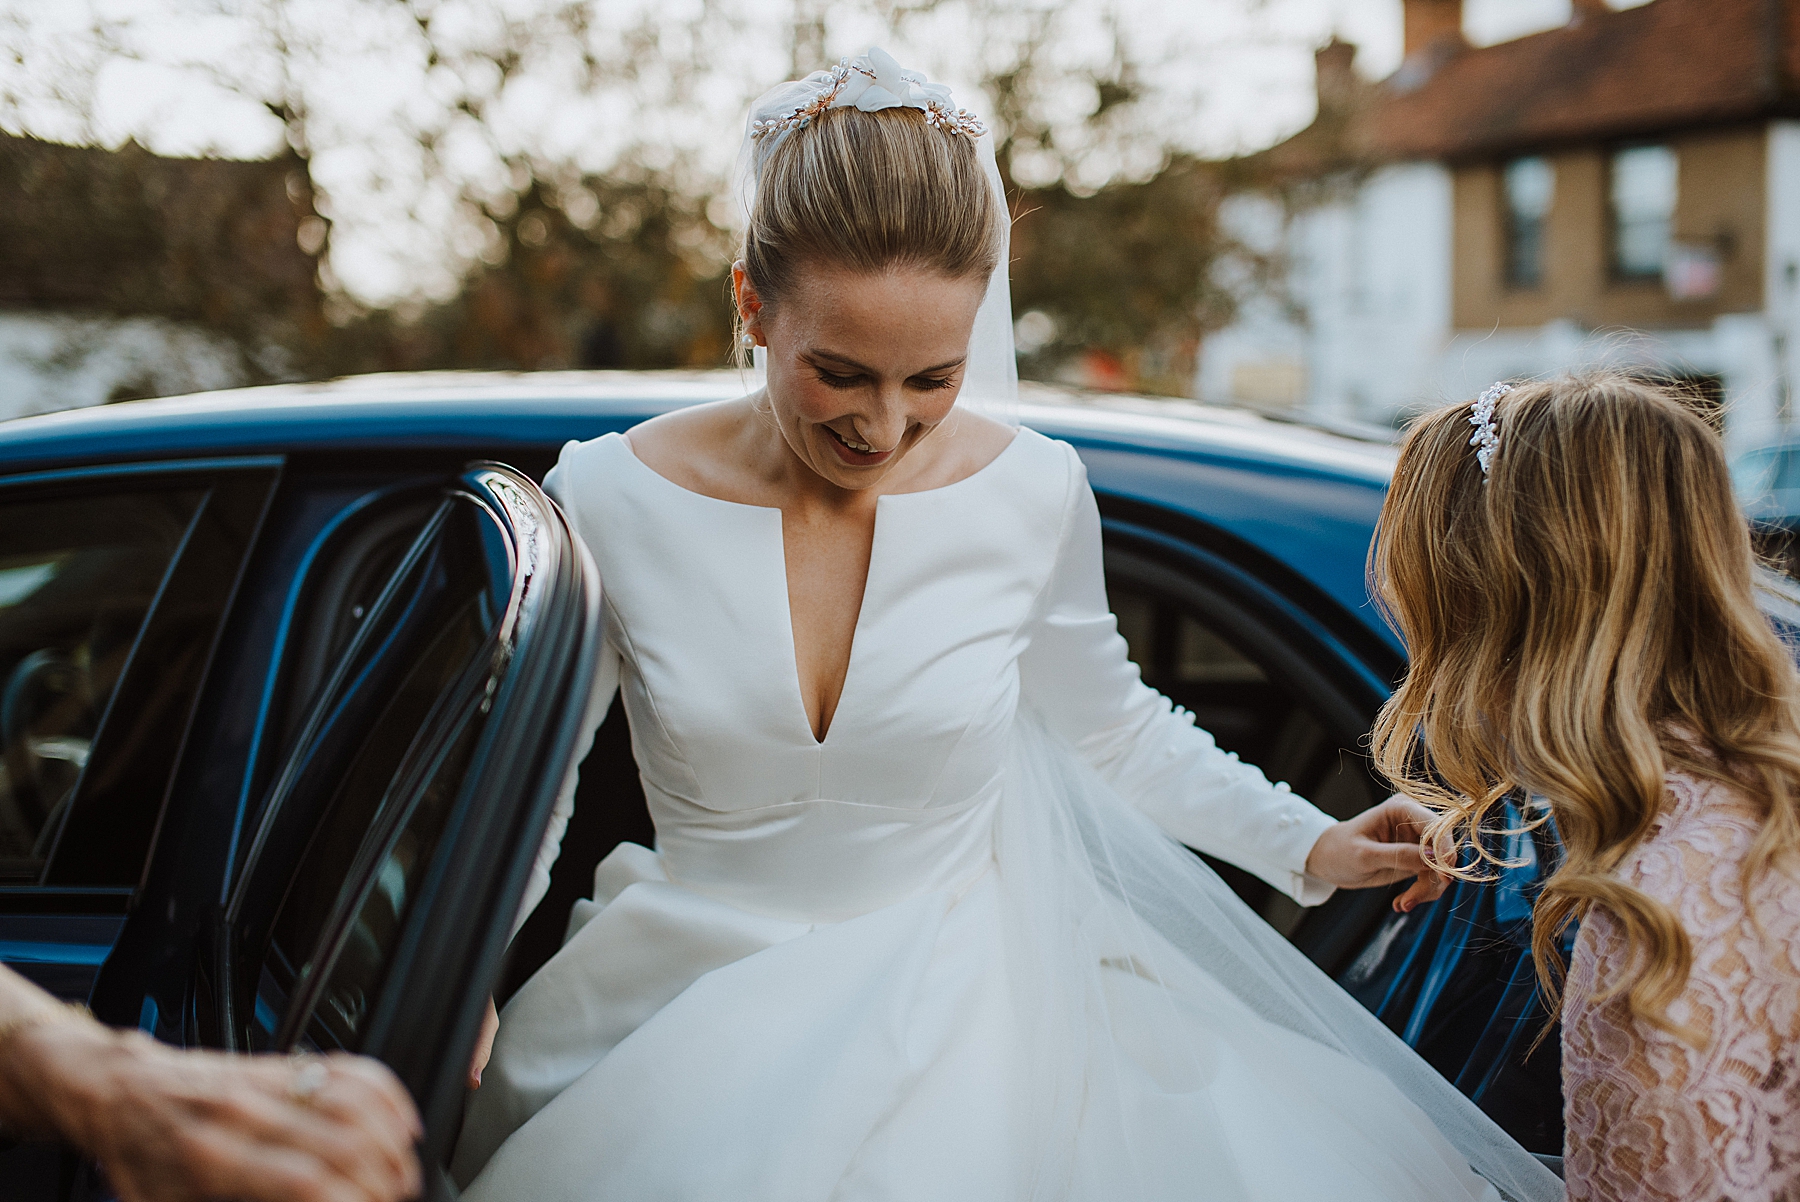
(870, 192)
(1580, 623)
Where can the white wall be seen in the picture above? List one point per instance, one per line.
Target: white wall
(1363, 312)
(1364, 308)
(1737, 347)
(51, 361)
(1261, 357)
(1781, 274)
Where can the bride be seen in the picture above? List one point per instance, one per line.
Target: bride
(910, 929)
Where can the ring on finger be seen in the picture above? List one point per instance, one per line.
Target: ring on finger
(309, 1076)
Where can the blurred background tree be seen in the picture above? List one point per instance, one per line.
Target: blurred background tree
(616, 271)
(214, 243)
(537, 183)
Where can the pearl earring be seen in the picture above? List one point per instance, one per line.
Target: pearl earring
(749, 341)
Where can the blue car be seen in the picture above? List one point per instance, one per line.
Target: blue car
(289, 677)
(1766, 478)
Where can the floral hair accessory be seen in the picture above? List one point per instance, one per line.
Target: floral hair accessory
(870, 82)
(1487, 427)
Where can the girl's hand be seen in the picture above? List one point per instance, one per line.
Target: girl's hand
(168, 1125)
(1378, 847)
(484, 1044)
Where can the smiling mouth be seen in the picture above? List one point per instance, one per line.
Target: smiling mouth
(861, 450)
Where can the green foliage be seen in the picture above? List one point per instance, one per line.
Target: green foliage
(1122, 274)
(624, 271)
(622, 268)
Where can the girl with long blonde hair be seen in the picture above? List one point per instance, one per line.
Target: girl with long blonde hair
(1575, 586)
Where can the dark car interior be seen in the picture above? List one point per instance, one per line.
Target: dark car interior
(77, 577)
(1213, 657)
(384, 709)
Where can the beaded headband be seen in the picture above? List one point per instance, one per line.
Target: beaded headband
(870, 82)
(1487, 426)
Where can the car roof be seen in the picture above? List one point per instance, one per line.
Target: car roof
(511, 408)
(1296, 491)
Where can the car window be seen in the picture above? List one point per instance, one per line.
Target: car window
(1187, 643)
(78, 575)
(342, 593)
(1753, 473)
(376, 762)
(1184, 654)
(1787, 471)
(331, 879)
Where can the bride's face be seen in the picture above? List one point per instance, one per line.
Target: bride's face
(862, 366)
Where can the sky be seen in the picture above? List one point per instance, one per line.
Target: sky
(1223, 76)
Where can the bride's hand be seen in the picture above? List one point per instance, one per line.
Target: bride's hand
(1378, 847)
(484, 1044)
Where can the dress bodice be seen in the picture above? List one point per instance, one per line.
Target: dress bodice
(979, 594)
(740, 789)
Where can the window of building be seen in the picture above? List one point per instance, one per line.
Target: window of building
(1643, 210)
(1529, 184)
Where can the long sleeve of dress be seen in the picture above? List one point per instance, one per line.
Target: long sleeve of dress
(606, 684)
(1650, 1117)
(1077, 673)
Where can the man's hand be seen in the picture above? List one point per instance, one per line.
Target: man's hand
(1378, 847)
(169, 1125)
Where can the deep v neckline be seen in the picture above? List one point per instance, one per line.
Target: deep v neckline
(787, 598)
(787, 588)
(862, 607)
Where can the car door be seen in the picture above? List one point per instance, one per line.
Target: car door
(381, 872)
(1244, 653)
(1454, 979)
(114, 584)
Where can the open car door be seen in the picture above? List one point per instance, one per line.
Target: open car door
(383, 869)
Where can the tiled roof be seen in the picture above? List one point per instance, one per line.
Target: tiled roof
(1667, 65)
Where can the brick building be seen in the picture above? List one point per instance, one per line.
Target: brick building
(124, 273)
(1623, 189)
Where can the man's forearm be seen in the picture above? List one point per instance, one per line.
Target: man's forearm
(25, 1103)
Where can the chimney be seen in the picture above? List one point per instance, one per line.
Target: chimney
(1431, 21)
(1334, 69)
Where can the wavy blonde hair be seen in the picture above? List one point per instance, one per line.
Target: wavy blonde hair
(1580, 624)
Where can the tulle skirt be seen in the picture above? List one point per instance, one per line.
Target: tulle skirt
(1094, 1016)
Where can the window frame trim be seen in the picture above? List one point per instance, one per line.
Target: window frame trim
(257, 773)
(204, 474)
(1615, 272)
(1509, 227)
(80, 475)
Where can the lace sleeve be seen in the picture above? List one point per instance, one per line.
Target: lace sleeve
(1649, 1117)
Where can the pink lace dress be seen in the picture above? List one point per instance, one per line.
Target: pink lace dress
(1649, 1117)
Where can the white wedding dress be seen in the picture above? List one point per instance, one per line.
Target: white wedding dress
(934, 956)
